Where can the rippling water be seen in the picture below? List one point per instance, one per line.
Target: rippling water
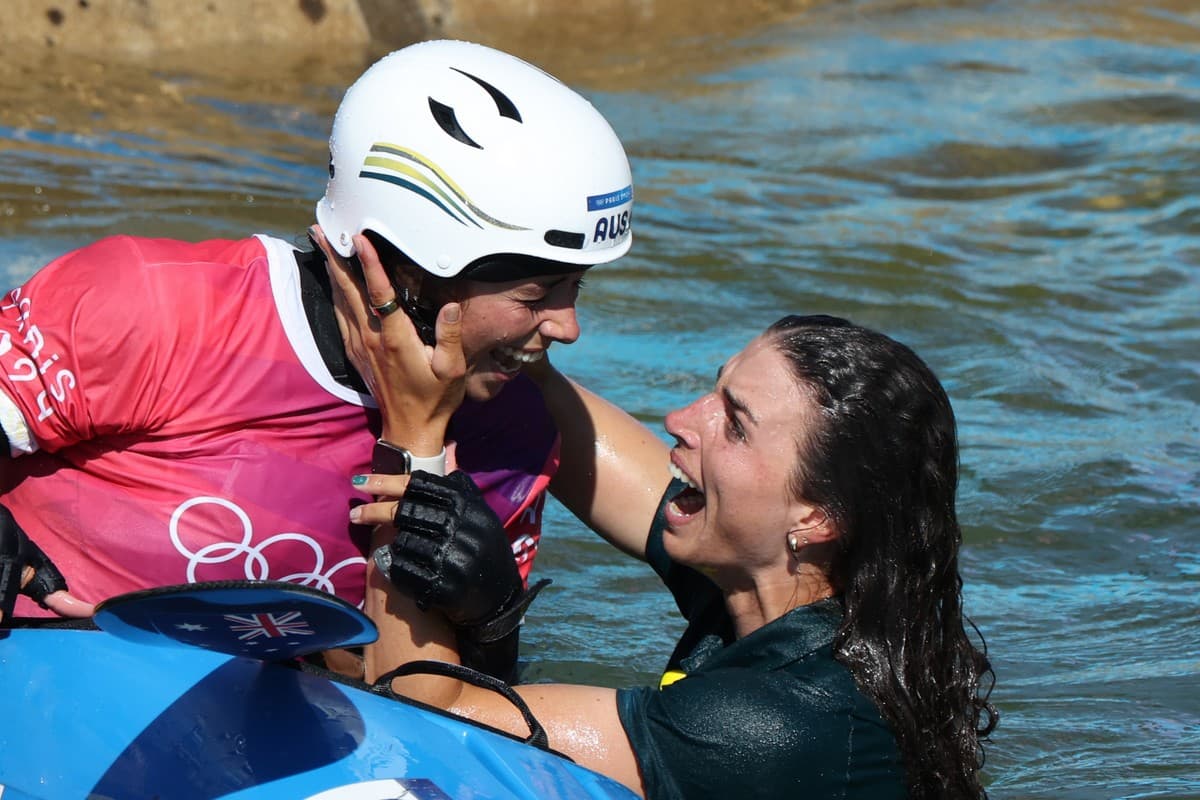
(1012, 188)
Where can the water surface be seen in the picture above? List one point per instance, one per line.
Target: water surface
(1011, 188)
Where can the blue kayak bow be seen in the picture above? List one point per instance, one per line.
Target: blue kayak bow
(268, 620)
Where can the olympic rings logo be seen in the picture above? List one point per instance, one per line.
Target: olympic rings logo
(256, 566)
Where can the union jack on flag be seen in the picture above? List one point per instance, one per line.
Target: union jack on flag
(270, 626)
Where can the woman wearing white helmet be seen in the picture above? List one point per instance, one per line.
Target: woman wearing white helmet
(468, 163)
(486, 188)
(199, 429)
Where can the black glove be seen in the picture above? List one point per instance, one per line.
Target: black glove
(17, 551)
(451, 554)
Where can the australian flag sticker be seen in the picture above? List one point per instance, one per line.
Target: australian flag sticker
(250, 627)
(250, 634)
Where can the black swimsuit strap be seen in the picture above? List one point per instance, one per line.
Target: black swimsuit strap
(316, 294)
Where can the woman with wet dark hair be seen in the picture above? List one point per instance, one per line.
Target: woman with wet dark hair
(804, 521)
(884, 466)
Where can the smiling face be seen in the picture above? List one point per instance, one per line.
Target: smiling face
(505, 325)
(737, 448)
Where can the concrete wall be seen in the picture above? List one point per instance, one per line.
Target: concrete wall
(53, 46)
(108, 29)
(146, 27)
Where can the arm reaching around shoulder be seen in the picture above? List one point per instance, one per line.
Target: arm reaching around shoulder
(613, 469)
(450, 558)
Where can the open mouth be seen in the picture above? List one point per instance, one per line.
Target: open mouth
(511, 359)
(688, 502)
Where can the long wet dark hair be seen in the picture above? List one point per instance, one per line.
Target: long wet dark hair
(883, 464)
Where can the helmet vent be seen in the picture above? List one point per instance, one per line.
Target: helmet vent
(574, 241)
(506, 107)
(448, 121)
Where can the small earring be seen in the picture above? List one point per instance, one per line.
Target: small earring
(795, 544)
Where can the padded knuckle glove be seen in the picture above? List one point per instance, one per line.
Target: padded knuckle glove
(451, 554)
(18, 551)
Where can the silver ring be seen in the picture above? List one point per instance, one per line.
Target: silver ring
(390, 307)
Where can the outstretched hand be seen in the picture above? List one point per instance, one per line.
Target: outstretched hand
(417, 386)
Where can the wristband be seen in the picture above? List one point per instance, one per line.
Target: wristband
(392, 459)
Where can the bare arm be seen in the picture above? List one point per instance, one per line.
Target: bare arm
(614, 469)
(406, 633)
(580, 721)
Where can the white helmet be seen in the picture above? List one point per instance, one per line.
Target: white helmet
(463, 157)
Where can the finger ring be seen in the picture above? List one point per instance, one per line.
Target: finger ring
(384, 309)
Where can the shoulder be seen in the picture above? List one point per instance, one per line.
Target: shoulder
(128, 263)
(747, 701)
(776, 731)
(146, 251)
(121, 271)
